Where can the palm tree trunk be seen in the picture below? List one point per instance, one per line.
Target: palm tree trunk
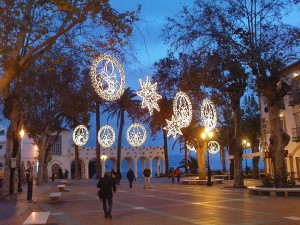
(120, 141)
(165, 137)
(97, 143)
(186, 159)
(76, 161)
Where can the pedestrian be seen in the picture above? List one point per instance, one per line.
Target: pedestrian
(118, 177)
(147, 173)
(130, 177)
(178, 174)
(172, 174)
(113, 175)
(30, 181)
(107, 186)
(66, 174)
(27, 175)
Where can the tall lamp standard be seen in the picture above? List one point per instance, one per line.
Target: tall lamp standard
(22, 134)
(245, 146)
(205, 136)
(103, 158)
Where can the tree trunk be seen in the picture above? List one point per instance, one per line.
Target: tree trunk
(10, 176)
(200, 151)
(120, 142)
(223, 160)
(255, 170)
(42, 153)
(278, 141)
(76, 162)
(97, 142)
(165, 137)
(186, 161)
(46, 171)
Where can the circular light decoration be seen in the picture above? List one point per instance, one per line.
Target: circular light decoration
(149, 95)
(208, 114)
(106, 136)
(213, 147)
(173, 127)
(108, 77)
(80, 135)
(136, 134)
(190, 146)
(182, 109)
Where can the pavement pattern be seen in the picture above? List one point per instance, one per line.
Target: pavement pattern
(165, 203)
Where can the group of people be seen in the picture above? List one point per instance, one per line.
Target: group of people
(175, 173)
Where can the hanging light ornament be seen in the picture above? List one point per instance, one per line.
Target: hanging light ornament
(208, 114)
(104, 71)
(149, 95)
(182, 109)
(213, 147)
(106, 136)
(173, 127)
(80, 135)
(136, 134)
(190, 146)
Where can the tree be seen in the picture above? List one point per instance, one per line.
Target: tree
(255, 32)
(157, 121)
(29, 29)
(192, 164)
(126, 103)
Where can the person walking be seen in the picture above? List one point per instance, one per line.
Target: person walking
(107, 186)
(130, 177)
(66, 174)
(178, 174)
(30, 181)
(147, 173)
(172, 174)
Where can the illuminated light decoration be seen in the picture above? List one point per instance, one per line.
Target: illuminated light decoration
(190, 146)
(182, 109)
(173, 127)
(208, 115)
(104, 71)
(213, 147)
(80, 135)
(136, 134)
(149, 95)
(106, 136)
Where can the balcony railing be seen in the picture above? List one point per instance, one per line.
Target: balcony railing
(296, 134)
(294, 97)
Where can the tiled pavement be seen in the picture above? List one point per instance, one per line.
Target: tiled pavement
(165, 203)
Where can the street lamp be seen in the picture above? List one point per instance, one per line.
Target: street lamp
(103, 158)
(245, 146)
(22, 134)
(207, 135)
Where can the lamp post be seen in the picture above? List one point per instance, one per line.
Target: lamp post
(103, 158)
(245, 146)
(207, 135)
(22, 134)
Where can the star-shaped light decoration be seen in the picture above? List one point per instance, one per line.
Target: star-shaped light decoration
(149, 95)
(106, 136)
(80, 135)
(173, 127)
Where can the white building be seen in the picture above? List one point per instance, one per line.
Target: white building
(62, 157)
(290, 123)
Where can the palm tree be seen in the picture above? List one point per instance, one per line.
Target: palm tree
(117, 108)
(157, 121)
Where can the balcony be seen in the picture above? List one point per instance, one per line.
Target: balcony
(294, 97)
(296, 134)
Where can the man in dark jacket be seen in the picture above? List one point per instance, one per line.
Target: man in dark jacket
(130, 177)
(107, 186)
(147, 174)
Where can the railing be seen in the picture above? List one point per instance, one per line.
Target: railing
(294, 97)
(296, 134)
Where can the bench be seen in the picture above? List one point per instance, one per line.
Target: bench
(272, 191)
(54, 197)
(61, 187)
(201, 182)
(37, 218)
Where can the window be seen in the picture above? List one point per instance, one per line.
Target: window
(56, 146)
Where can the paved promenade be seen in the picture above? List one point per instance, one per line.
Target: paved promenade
(165, 203)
